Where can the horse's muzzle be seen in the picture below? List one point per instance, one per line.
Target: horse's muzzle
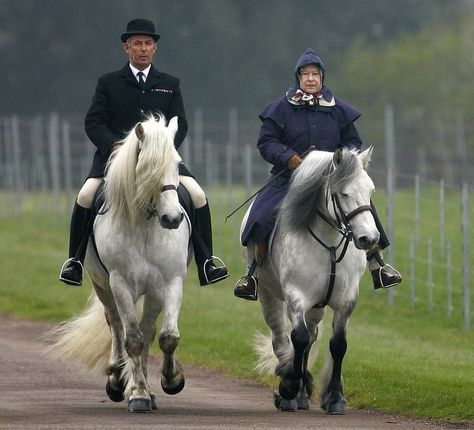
(171, 223)
(365, 242)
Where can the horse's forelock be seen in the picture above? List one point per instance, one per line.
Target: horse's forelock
(345, 171)
(155, 157)
(135, 171)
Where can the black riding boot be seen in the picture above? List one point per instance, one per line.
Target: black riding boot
(81, 225)
(385, 276)
(247, 286)
(208, 272)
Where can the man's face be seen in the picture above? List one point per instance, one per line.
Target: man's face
(310, 79)
(140, 50)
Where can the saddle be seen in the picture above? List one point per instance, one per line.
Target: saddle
(99, 207)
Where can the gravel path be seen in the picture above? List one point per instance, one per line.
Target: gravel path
(40, 393)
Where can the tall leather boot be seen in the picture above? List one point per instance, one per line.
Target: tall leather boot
(81, 226)
(383, 275)
(201, 237)
(247, 286)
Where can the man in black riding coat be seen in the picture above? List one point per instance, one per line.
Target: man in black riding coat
(121, 100)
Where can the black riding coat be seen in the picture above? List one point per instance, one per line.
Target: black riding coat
(119, 103)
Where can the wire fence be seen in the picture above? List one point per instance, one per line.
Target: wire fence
(427, 216)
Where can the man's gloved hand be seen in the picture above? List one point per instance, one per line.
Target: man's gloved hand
(294, 162)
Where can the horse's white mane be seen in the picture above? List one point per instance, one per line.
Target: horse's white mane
(309, 184)
(134, 173)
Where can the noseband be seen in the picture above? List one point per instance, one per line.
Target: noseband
(342, 225)
(152, 212)
(168, 187)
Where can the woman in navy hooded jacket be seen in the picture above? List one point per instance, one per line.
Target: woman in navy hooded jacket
(307, 115)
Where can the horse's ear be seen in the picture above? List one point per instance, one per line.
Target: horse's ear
(337, 157)
(366, 156)
(139, 132)
(173, 126)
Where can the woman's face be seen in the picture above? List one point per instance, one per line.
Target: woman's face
(311, 79)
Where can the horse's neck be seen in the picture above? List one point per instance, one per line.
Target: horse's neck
(325, 231)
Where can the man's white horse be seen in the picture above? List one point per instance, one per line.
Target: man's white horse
(316, 259)
(137, 261)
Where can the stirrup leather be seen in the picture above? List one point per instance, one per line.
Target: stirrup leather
(221, 265)
(75, 262)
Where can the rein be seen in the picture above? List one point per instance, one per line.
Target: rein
(344, 229)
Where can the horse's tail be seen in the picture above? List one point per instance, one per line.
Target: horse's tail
(277, 362)
(85, 339)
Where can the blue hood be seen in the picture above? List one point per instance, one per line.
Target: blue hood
(309, 57)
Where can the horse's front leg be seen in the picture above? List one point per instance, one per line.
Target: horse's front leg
(172, 377)
(313, 318)
(332, 395)
(292, 379)
(151, 311)
(115, 386)
(137, 389)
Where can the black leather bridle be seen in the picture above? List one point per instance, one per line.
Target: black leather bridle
(342, 225)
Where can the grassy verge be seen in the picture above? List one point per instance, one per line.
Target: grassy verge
(400, 359)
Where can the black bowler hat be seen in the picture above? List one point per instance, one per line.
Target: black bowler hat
(140, 26)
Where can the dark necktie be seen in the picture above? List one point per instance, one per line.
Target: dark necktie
(141, 79)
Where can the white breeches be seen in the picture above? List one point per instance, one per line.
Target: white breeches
(87, 192)
(90, 187)
(195, 191)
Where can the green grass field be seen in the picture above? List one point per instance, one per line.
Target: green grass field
(400, 359)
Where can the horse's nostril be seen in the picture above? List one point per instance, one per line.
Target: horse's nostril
(364, 242)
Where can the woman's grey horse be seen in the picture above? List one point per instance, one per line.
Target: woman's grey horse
(316, 259)
(137, 262)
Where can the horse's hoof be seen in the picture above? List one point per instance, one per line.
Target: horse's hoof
(139, 405)
(288, 388)
(285, 405)
(154, 406)
(336, 408)
(172, 390)
(115, 394)
(303, 403)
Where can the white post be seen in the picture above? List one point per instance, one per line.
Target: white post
(449, 280)
(411, 254)
(442, 225)
(417, 209)
(466, 231)
(390, 162)
(430, 274)
(53, 147)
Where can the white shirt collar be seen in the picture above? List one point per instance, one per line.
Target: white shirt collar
(135, 71)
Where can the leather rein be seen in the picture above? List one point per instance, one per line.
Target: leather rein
(344, 229)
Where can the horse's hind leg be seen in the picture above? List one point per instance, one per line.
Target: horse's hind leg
(172, 377)
(273, 310)
(332, 395)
